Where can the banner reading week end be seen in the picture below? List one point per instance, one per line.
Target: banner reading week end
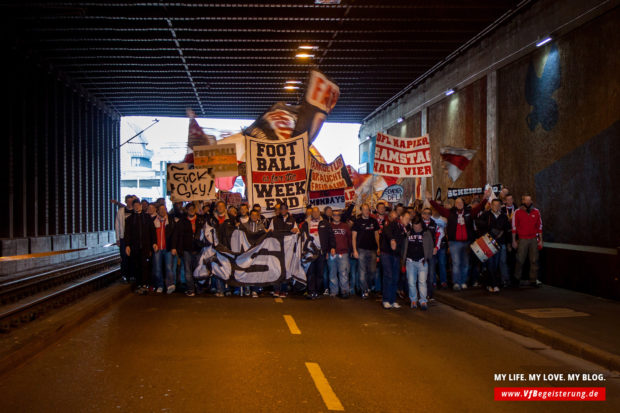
(402, 157)
(277, 172)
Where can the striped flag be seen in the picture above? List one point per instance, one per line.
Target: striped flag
(456, 160)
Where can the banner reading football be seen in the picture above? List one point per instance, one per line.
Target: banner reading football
(324, 177)
(276, 172)
(402, 157)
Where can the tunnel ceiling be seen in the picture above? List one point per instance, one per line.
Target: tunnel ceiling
(232, 59)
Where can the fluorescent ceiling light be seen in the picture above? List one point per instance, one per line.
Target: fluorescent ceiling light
(449, 92)
(303, 55)
(290, 87)
(543, 41)
(399, 120)
(293, 82)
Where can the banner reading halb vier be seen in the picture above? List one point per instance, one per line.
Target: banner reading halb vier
(402, 157)
(276, 172)
(186, 184)
(324, 177)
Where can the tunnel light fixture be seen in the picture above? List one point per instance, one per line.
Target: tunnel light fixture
(308, 47)
(399, 120)
(544, 41)
(304, 55)
(291, 87)
(293, 82)
(449, 92)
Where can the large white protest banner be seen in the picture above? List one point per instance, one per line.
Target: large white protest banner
(402, 157)
(277, 172)
(187, 184)
(327, 176)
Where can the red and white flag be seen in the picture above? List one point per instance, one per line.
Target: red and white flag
(195, 136)
(456, 160)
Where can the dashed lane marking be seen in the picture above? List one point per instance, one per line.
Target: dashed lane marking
(322, 385)
(290, 322)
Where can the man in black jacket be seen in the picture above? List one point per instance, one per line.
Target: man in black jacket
(282, 223)
(190, 245)
(392, 239)
(496, 223)
(319, 232)
(140, 242)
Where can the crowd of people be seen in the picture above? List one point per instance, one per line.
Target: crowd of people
(404, 252)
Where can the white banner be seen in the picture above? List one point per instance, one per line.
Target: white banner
(187, 184)
(402, 157)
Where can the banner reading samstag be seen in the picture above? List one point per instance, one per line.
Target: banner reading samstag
(402, 157)
(277, 172)
(324, 177)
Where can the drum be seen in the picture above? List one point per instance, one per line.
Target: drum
(485, 247)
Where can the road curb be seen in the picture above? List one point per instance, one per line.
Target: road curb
(55, 326)
(552, 338)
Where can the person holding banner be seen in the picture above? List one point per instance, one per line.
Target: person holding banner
(460, 232)
(319, 231)
(282, 223)
(365, 240)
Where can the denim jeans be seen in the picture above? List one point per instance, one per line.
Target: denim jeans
(338, 273)
(367, 267)
(325, 279)
(493, 265)
(162, 261)
(503, 263)
(190, 261)
(442, 258)
(459, 252)
(416, 278)
(391, 271)
(354, 275)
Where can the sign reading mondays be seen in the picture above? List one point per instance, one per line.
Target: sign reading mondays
(334, 198)
(186, 184)
(402, 157)
(324, 177)
(220, 160)
(276, 172)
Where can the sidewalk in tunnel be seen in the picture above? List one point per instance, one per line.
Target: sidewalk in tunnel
(580, 324)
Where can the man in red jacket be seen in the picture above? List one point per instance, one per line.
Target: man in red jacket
(527, 238)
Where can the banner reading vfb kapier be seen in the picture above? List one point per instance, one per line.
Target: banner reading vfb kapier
(327, 176)
(277, 172)
(185, 183)
(402, 157)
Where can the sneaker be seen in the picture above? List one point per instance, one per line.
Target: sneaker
(247, 292)
(254, 294)
(364, 296)
(283, 295)
(171, 289)
(309, 296)
(423, 306)
(414, 305)
(490, 289)
(387, 305)
(219, 294)
(463, 286)
(227, 293)
(456, 287)
(326, 292)
(160, 290)
(476, 285)
(276, 294)
(124, 280)
(535, 283)
(395, 305)
(190, 293)
(495, 289)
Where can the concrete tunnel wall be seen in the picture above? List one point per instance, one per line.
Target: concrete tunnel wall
(60, 163)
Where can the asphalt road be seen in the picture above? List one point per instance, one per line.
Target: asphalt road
(203, 354)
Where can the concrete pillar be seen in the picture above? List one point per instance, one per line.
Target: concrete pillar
(424, 131)
(492, 149)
